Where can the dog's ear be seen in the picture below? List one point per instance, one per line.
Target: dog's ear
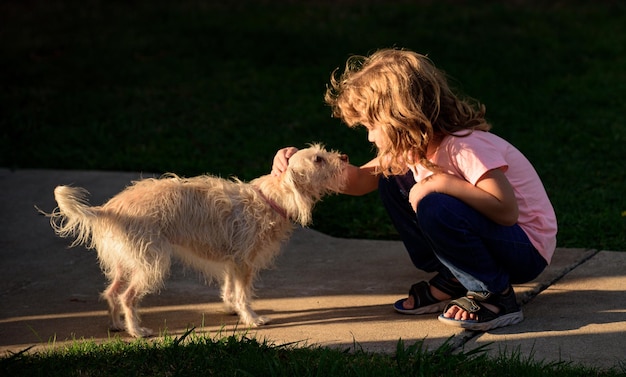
(299, 205)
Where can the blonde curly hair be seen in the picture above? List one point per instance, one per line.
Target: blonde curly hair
(408, 97)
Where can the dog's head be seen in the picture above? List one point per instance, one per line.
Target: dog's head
(317, 171)
(312, 173)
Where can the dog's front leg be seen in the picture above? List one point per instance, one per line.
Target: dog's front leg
(242, 279)
(227, 289)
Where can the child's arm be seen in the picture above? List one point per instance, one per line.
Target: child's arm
(492, 195)
(361, 180)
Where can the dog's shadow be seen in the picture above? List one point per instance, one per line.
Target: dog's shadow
(210, 318)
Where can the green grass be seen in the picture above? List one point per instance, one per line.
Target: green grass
(214, 87)
(238, 355)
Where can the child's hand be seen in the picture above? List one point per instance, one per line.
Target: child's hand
(433, 183)
(281, 160)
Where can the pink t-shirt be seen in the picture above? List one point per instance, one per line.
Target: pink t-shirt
(470, 157)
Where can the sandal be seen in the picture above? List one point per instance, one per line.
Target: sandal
(510, 313)
(424, 302)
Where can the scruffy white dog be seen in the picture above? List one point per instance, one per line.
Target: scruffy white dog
(227, 229)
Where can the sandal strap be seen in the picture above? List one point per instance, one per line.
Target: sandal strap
(471, 305)
(466, 303)
(507, 302)
(448, 286)
(421, 295)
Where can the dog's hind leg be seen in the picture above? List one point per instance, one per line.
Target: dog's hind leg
(242, 288)
(146, 276)
(129, 301)
(112, 296)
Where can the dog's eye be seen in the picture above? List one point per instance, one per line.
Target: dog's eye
(318, 159)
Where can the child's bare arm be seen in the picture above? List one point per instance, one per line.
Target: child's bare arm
(492, 195)
(361, 180)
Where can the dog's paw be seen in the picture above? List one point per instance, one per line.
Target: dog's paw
(141, 332)
(262, 321)
(255, 321)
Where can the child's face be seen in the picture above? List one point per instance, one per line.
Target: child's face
(375, 135)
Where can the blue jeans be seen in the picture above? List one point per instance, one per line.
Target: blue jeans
(450, 237)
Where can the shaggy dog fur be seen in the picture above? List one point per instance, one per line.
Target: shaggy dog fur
(227, 229)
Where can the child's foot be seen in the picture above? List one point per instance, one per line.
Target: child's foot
(429, 297)
(482, 311)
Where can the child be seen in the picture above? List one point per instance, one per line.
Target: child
(466, 203)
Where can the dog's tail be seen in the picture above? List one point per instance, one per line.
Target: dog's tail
(74, 216)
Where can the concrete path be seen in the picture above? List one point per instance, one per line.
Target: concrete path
(323, 291)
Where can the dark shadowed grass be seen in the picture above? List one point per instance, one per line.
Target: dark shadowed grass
(239, 355)
(204, 87)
